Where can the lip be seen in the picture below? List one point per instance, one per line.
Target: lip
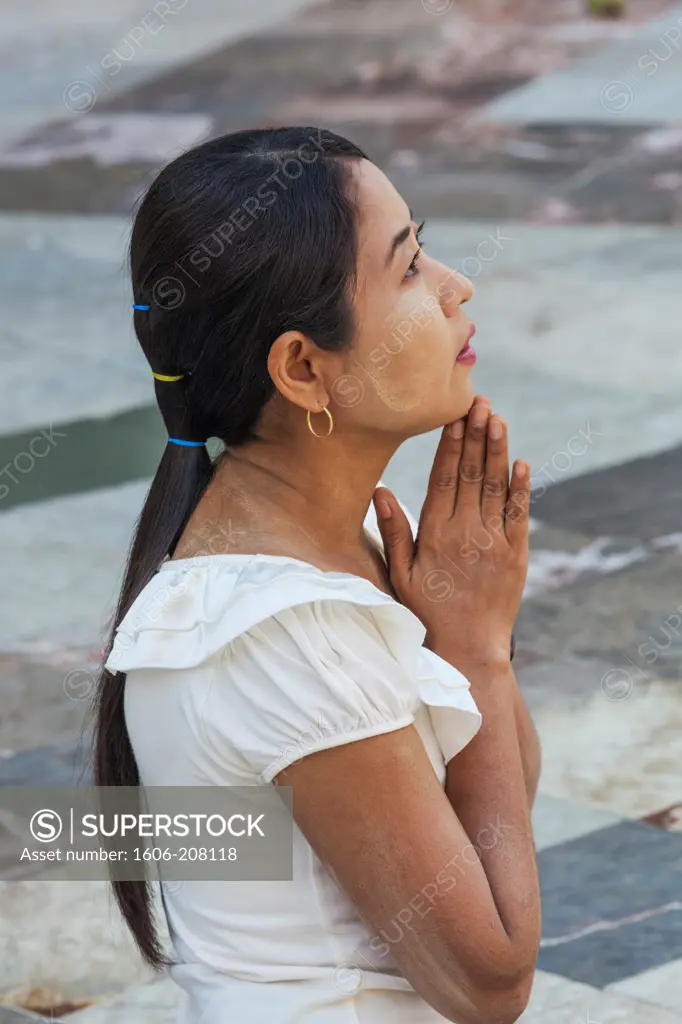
(467, 355)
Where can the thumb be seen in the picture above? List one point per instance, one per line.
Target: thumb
(396, 533)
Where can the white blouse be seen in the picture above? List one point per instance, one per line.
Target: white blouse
(237, 666)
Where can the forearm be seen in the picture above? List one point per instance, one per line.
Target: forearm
(529, 744)
(487, 788)
(528, 739)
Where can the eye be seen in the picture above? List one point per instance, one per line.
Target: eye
(412, 270)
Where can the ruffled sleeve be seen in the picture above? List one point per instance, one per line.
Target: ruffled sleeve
(446, 692)
(311, 677)
(290, 660)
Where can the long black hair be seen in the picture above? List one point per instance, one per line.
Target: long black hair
(236, 241)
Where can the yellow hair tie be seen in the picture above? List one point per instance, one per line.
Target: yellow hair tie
(162, 376)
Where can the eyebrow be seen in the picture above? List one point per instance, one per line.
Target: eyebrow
(398, 240)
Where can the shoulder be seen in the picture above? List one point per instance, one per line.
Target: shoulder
(298, 660)
(192, 608)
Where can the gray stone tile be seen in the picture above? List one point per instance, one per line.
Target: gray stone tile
(546, 537)
(14, 1015)
(594, 1007)
(558, 821)
(66, 51)
(67, 308)
(553, 569)
(599, 960)
(627, 619)
(661, 985)
(645, 77)
(41, 704)
(135, 440)
(606, 914)
(560, 685)
(568, 173)
(59, 764)
(620, 753)
(109, 139)
(153, 1003)
(551, 991)
(240, 82)
(65, 942)
(62, 561)
(571, 98)
(618, 500)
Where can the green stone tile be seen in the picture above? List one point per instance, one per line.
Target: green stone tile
(86, 455)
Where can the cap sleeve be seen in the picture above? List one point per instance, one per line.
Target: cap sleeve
(308, 678)
(293, 659)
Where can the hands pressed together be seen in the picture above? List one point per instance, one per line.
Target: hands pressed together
(464, 575)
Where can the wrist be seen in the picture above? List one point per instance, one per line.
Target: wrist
(493, 658)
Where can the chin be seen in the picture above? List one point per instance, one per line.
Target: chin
(463, 399)
(449, 407)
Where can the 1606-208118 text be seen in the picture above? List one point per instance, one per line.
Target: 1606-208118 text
(184, 853)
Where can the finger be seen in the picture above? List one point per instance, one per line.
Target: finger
(518, 507)
(396, 533)
(441, 492)
(473, 461)
(496, 478)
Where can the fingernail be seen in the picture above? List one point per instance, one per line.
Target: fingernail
(457, 428)
(495, 430)
(384, 510)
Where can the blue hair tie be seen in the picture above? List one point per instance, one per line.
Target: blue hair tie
(188, 444)
(137, 306)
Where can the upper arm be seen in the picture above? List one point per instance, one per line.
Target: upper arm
(377, 816)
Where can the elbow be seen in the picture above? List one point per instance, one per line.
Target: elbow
(504, 1006)
(497, 1004)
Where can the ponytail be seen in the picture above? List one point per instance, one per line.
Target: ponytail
(180, 481)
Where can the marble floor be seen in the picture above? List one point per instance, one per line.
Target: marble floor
(577, 314)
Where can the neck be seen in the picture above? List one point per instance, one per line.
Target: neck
(320, 489)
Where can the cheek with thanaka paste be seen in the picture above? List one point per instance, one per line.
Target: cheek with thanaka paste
(406, 369)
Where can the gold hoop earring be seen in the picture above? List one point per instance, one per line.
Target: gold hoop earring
(329, 417)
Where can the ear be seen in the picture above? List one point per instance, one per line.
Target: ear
(294, 366)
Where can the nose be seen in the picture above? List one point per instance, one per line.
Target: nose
(453, 290)
(467, 288)
(464, 287)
